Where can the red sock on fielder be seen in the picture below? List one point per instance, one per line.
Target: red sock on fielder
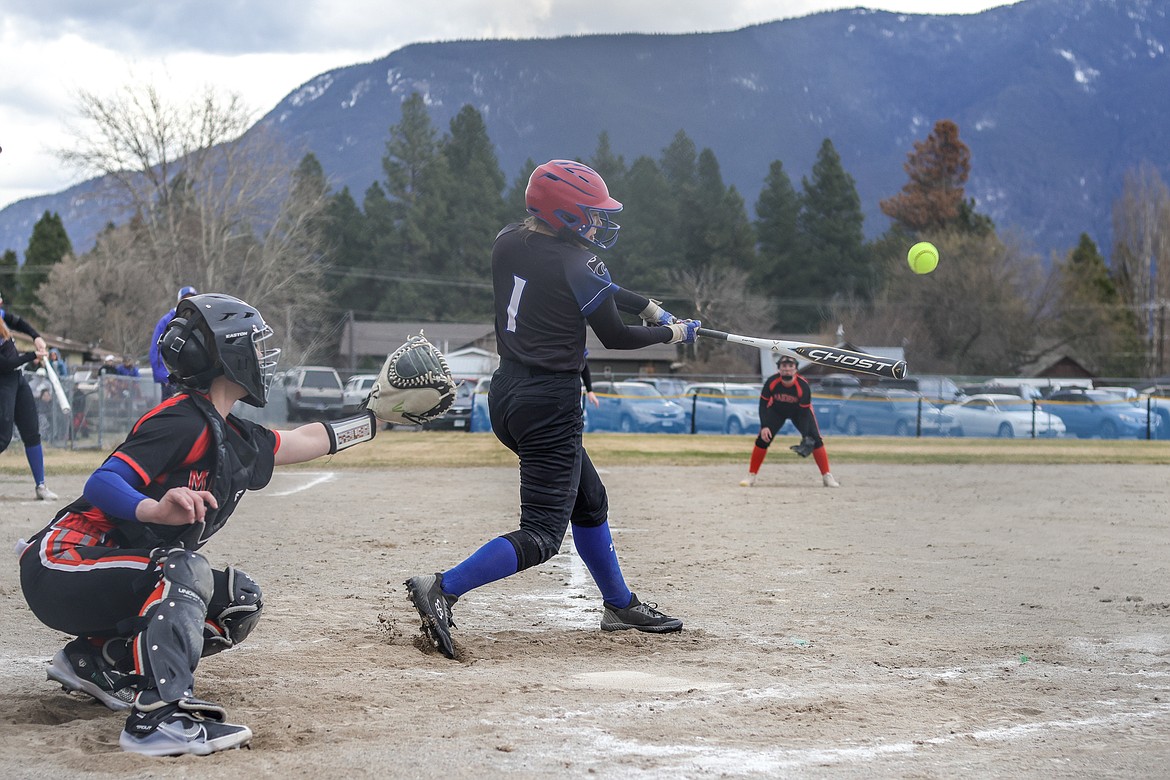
(822, 459)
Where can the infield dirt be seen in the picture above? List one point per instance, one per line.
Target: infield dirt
(921, 621)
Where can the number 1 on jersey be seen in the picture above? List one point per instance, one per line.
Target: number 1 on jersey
(514, 301)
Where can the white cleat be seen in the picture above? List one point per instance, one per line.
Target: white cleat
(44, 494)
(749, 481)
(831, 481)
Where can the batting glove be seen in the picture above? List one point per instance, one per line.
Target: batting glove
(684, 331)
(654, 314)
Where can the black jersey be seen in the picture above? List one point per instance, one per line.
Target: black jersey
(779, 403)
(179, 444)
(544, 290)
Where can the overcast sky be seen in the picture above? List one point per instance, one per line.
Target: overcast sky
(264, 49)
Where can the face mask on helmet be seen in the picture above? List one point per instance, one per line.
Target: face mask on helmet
(213, 335)
(570, 196)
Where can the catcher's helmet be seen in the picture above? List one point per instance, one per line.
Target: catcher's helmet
(215, 334)
(186, 292)
(786, 360)
(568, 195)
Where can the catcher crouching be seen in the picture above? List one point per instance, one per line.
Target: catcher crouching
(120, 567)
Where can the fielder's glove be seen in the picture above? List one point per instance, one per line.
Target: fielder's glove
(414, 386)
(805, 448)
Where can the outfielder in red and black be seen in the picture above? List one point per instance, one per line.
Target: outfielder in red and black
(785, 396)
(119, 567)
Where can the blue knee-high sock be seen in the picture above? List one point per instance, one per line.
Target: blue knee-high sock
(595, 546)
(494, 561)
(36, 462)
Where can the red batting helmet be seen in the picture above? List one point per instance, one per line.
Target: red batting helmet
(568, 195)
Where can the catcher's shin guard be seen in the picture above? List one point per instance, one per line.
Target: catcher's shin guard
(167, 650)
(234, 611)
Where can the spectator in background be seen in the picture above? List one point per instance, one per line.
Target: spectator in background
(158, 369)
(109, 365)
(58, 363)
(129, 367)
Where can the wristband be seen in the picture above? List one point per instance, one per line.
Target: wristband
(350, 431)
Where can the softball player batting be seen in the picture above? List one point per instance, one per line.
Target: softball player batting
(787, 396)
(549, 284)
(118, 567)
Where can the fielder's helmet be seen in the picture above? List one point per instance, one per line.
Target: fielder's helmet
(786, 360)
(215, 334)
(186, 292)
(571, 196)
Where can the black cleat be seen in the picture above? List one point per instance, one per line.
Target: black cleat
(81, 667)
(643, 617)
(186, 727)
(434, 607)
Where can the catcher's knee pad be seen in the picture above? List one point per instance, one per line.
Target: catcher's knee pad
(532, 548)
(234, 611)
(172, 641)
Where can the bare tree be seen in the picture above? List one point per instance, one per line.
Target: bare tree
(980, 312)
(723, 300)
(1141, 254)
(208, 204)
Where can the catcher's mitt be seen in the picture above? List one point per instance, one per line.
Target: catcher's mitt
(414, 385)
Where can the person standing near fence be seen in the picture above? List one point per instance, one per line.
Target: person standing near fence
(787, 396)
(18, 408)
(157, 367)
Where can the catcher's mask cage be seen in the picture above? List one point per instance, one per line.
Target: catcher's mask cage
(571, 196)
(213, 335)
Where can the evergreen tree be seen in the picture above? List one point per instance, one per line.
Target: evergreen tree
(723, 237)
(9, 274)
(352, 280)
(1092, 316)
(648, 246)
(779, 253)
(514, 205)
(612, 167)
(416, 174)
(47, 246)
(834, 260)
(474, 201)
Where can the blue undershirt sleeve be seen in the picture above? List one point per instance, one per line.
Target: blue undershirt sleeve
(113, 488)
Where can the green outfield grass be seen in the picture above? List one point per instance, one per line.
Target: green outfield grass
(457, 449)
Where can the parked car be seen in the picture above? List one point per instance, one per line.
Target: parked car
(935, 388)
(481, 418)
(722, 407)
(1156, 398)
(1003, 415)
(891, 411)
(1022, 390)
(670, 388)
(357, 387)
(633, 406)
(842, 385)
(313, 392)
(1098, 413)
(458, 417)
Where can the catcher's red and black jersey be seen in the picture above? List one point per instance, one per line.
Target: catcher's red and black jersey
(779, 403)
(544, 289)
(174, 445)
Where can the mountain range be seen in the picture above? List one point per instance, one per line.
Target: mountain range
(1057, 100)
